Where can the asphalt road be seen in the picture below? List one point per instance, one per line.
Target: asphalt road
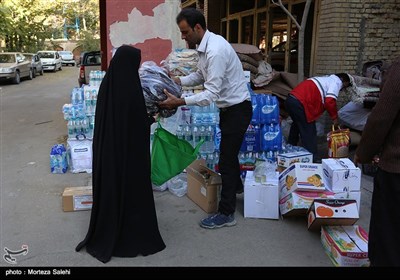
(31, 122)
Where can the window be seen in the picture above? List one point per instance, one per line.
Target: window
(247, 30)
(233, 31)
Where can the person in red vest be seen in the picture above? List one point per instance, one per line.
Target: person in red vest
(307, 102)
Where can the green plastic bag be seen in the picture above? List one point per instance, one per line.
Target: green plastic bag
(170, 155)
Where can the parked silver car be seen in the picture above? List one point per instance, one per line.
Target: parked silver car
(37, 66)
(67, 57)
(14, 66)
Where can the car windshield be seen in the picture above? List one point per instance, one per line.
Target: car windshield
(46, 55)
(7, 58)
(65, 53)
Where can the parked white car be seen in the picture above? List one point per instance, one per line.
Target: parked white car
(51, 60)
(67, 58)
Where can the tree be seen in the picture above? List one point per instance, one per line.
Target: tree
(88, 42)
(25, 25)
(301, 28)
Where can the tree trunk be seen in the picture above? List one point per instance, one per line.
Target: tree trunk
(301, 28)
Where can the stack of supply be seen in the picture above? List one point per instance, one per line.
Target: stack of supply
(197, 123)
(154, 80)
(250, 56)
(181, 62)
(263, 138)
(299, 185)
(342, 178)
(80, 117)
(58, 159)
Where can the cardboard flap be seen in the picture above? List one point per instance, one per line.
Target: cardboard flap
(77, 190)
(202, 173)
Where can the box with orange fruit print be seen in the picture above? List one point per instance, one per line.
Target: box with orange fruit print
(341, 212)
(346, 245)
(301, 177)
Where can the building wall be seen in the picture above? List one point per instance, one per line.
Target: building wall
(146, 24)
(352, 32)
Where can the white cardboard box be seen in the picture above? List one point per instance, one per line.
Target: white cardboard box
(346, 245)
(261, 200)
(285, 160)
(341, 175)
(302, 177)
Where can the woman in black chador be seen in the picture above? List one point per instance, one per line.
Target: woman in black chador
(123, 221)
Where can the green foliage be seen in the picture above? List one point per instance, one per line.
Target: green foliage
(88, 42)
(28, 25)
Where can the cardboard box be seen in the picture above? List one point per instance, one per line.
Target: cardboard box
(77, 198)
(346, 245)
(298, 202)
(341, 175)
(261, 200)
(341, 212)
(204, 186)
(302, 177)
(287, 159)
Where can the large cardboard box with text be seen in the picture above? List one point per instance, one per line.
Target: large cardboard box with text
(335, 212)
(261, 200)
(204, 186)
(77, 198)
(345, 245)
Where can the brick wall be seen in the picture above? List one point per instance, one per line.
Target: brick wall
(352, 32)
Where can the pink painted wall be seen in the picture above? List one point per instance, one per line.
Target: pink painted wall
(155, 49)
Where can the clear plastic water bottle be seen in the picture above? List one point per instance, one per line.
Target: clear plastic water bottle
(255, 100)
(196, 135)
(85, 127)
(179, 132)
(188, 134)
(71, 128)
(186, 115)
(217, 138)
(214, 114)
(275, 109)
(196, 115)
(203, 148)
(94, 100)
(209, 139)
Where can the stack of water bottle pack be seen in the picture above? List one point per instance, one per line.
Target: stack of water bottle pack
(80, 117)
(197, 123)
(263, 138)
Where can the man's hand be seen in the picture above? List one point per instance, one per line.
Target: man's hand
(171, 102)
(336, 123)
